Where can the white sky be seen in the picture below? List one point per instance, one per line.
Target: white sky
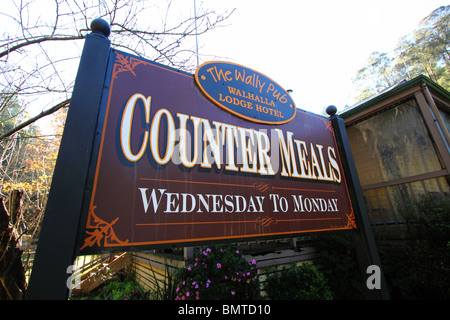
(312, 47)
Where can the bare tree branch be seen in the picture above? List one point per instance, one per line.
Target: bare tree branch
(32, 62)
(36, 41)
(26, 123)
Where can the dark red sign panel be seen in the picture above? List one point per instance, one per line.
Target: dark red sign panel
(173, 167)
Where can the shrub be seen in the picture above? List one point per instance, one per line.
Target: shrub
(434, 222)
(420, 268)
(116, 290)
(302, 282)
(338, 261)
(218, 273)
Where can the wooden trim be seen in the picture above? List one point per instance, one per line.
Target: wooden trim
(445, 106)
(381, 106)
(432, 127)
(419, 177)
(435, 110)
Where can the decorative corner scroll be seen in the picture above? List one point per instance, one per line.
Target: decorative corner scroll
(123, 64)
(351, 222)
(329, 125)
(101, 230)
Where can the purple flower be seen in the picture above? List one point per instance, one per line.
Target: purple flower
(233, 293)
(253, 261)
(219, 266)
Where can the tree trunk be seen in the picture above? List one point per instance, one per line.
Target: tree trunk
(12, 275)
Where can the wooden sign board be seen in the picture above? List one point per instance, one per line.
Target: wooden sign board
(220, 155)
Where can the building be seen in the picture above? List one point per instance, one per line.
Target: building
(400, 142)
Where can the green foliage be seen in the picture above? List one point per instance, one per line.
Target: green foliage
(424, 51)
(302, 282)
(417, 270)
(339, 264)
(166, 289)
(116, 290)
(420, 268)
(434, 221)
(122, 286)
(218, 273)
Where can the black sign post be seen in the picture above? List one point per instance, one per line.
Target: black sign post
(57, 241)
(365, 242)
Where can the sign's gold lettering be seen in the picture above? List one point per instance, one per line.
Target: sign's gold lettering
(297, 158)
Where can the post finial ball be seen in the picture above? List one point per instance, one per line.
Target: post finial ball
(331, 110)
(101, 26)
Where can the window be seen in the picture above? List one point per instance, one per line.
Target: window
(392, 145)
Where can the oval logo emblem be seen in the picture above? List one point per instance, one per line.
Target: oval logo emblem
(245, 93)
